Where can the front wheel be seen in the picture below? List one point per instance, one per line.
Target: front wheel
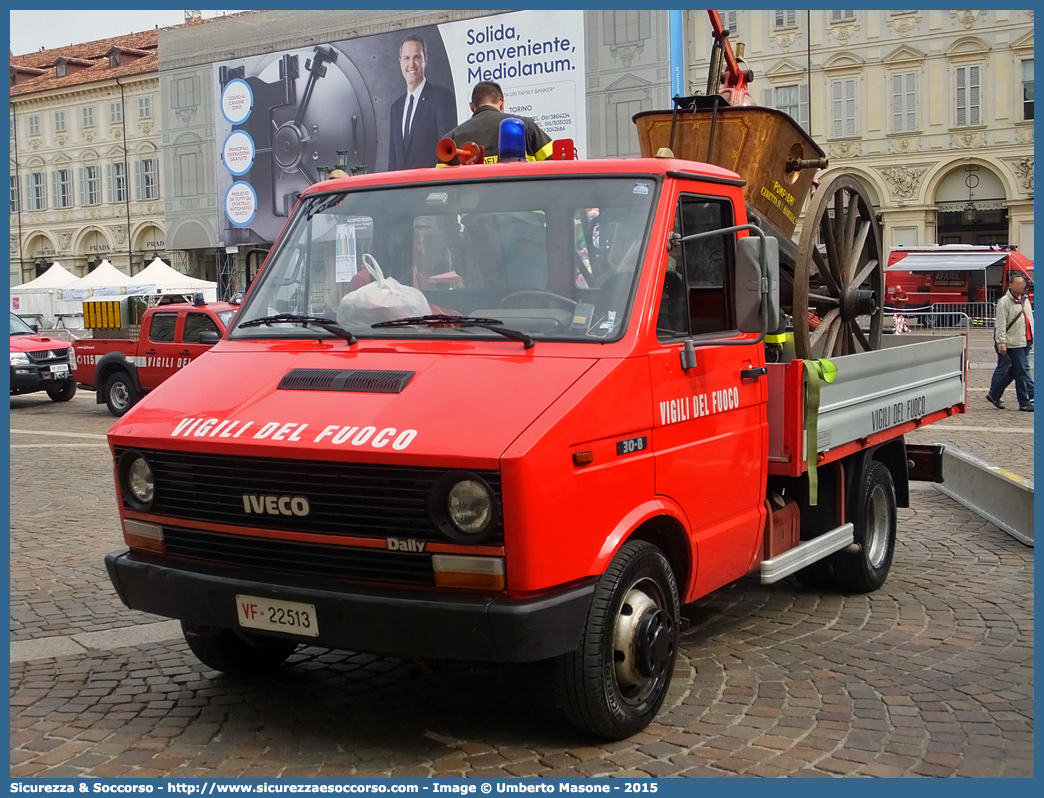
(64, 392)
(873, 513)
(236, 653)
(614, 683)
(120, 393)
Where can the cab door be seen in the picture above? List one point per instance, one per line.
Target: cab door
(196, 323)
(158, 352)
(710, 431)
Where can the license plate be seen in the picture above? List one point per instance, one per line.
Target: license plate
(60, 370)
(291, 617)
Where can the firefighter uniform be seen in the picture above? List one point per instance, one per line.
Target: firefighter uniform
(484, 129)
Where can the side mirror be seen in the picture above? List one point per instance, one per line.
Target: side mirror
(757, 282)
(209, 337)
(34, 327)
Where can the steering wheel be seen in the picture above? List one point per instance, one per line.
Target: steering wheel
(565, 301)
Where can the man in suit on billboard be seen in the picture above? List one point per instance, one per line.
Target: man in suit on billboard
(421, 115)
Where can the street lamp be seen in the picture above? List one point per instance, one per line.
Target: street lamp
(324, 173)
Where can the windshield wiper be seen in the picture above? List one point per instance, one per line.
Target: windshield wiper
(435, 319)
(293, 318)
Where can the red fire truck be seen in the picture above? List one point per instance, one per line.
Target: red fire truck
(510, 413)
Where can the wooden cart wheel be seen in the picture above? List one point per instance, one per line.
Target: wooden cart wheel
(839, 274)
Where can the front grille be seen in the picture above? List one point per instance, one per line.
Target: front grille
(49, 356)
(355, 499)
(313, 560)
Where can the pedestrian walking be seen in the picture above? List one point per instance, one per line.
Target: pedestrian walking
(1013, 341)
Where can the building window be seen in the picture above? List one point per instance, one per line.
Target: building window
(34, 125)
(622, 133)
(14, 195)
(117, 175)
(904, 102)
(88, 116)
(188, 174)
(148, 179)
(791, 99)
(59, 121)
(12, 127)
(37, 192)
(59, 70)
(968, 110)
(63, 190)
(842, 16)
(627, 27)
(843, 107)
(90, 188)
(144, 108)
(1027, 90)
(730, 20)
(186, 93)
(785, 19)
(115, 112)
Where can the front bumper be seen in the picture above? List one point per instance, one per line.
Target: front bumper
(382, 621)
(33, 378)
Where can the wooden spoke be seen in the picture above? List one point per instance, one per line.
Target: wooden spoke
(857, 250)
(831, 349)
(824, 324)
(851, 253)
(860, 336)
(865, 273)
(824, 271)
(820, 299)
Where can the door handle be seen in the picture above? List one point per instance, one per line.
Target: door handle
(753, 374)
(150, 351)
(185, 352)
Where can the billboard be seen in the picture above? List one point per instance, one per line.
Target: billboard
(381, 102)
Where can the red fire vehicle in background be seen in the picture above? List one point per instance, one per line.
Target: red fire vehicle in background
(123, 370)
(952, 274)
(40, 363)
(514, 439)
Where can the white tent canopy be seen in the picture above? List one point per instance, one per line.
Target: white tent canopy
(159, 278)
(38, 302)
(105, 280)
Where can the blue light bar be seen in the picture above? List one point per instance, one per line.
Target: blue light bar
(512, 144)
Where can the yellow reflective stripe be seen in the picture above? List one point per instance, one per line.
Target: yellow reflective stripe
(440, 164)
(545, 152)
(775, 339)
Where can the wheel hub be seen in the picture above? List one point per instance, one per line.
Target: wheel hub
(654, 643)
(857, 302)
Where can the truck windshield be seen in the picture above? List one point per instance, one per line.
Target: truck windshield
(19, 327)
(554, 259)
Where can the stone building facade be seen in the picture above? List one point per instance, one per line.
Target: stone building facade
(931, 110)
(85, 178)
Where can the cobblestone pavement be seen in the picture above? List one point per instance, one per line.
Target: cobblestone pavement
(930, 676)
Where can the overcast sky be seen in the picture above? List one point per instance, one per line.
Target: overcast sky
(31, 30)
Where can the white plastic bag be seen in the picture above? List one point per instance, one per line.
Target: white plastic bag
(384, 299)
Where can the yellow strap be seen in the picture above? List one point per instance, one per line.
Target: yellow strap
(545, 152)
(815, 370)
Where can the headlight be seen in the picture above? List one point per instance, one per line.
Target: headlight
(19, 359)
(469, 506)
(139, 485)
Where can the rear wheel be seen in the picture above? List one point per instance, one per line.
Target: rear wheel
(614, 683)
(236, 653)
(120, 393)
(873, 513)
(63, 392)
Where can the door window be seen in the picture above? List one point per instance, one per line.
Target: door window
(696, 295)
(161, 330)
(196, 323)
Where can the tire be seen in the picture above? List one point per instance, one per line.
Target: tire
(236, 653)
(614, 683)
(873, 513)
(64, 392)
(120, 393)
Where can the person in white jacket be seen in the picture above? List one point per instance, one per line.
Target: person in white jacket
(1013, 340)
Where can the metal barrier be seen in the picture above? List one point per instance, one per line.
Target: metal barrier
(1001, 497)
(932, 321)
(981, 314)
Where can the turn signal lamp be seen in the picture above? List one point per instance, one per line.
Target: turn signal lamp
(512, 143)
(145, 537)
(472, 573)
